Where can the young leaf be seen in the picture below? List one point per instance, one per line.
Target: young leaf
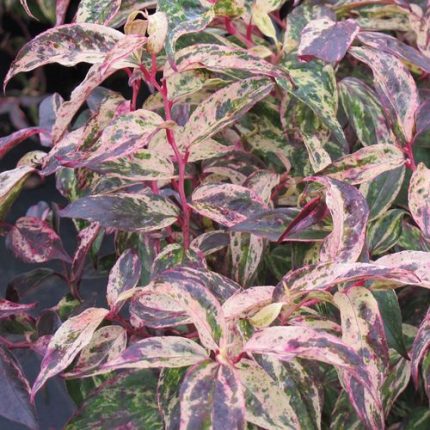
(68, 45)
(159, 351)
(97, 11)
(365, 164)
(211, 395)
(126, 401)
(420, 346)
(184, 17)
(364, 112)
(318, 35)
(349, 212)
(15, 392)
(128, 212)
(224, 107)
(419, 194)
(395, 87)
(11, 184)
(226, 204)
(124, 275)
(67, 342)
(34, 241)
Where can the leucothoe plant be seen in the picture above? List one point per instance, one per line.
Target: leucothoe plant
(263, 216)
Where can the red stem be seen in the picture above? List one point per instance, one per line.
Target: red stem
(410, 154)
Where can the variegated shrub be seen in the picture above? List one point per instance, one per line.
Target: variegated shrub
(268, 205)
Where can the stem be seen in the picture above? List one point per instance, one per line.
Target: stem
(136, 88)
(410, 154)
(14, 345)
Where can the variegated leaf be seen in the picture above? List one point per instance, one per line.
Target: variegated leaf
(324, 275)
(68, 45)
(391, 45)
(363, 330)
(365, 164)
(9, 142)
(286, 343)
(349, 212)
(246, 302)
(382, 191)
(128, 400)
(67, 342)
(157, 31)
(315, 86)
(419, 198)
(395, 87)
(15, 392)
(211, 396)
(124, 275)
(218, 58)
(107, 65)
(420, 346)
(11, 184)
(226, 204)
(317, 39)
(8, 308)
(268, 403)
(210, 242)
(87, 237)
(184, 17)
(106, 344)
(364, 112)
(158, 352)
(34, 241)
(224, 107)
(128, 212)
(97, 11)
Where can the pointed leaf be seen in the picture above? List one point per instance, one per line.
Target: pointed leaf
(15, 392)
(68, 45)
(8, 308)
(318, 35)
(365, 164)
(34, 241)
(395, 87)
(211, 395)
(129, 212)
(8, 142)
(349, 212)
(364, 112)
(158, 352)
(66, 343)
(224, 107)
(124, 275)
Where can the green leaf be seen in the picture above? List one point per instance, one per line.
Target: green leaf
(126, 401)
(97, 11)
(419, 194)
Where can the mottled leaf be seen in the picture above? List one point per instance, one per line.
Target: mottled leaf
(9, 142)
(129, 212)
(126, 401)
(385, 232)
(15, 392)
(349, 212)
(97, 11)
(68, 45)
(211, 395)
(124, 275)
(34, 241)
(395, 87)
(318, 35)
(67, 342)
(419, 198)
(364, 112)
(420, 346)
(226, 204)
(8, 308)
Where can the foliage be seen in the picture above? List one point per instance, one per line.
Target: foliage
(268, 208)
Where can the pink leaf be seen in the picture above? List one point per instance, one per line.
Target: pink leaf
(420, 346)
(419, 198)
(8, 142)
(8, 308)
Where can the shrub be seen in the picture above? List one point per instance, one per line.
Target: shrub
(268, 205)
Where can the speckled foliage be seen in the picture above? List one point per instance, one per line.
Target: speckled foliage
(262, 218)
